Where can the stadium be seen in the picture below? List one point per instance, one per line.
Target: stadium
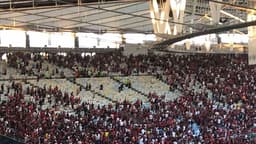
(127, 71)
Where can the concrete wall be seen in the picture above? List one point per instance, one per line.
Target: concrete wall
(135, 49)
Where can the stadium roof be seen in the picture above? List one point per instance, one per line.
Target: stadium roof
(99, 16)
(63, 15)
(112, 16)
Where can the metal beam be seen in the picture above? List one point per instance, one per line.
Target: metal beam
(20, 5)
(56, 50)
(234, 5)
(81, 12)
(77, 21)
(166, 43)
(129, 17)
(134, 15)
(232, 16)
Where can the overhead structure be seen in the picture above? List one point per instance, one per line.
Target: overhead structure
(178, 9)
(215, 9)
(215, 12)
(252, 35)
(108, 16)
(169, 20)
(164, 44)
(160, 14)
(217, 16)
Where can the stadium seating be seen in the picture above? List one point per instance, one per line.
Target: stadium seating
(149, 84)
(110, 89)
(208, 99)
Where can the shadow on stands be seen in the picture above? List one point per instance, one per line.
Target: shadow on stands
(8, 140)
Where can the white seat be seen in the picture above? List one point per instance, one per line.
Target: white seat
(110, 89)
(149, 84)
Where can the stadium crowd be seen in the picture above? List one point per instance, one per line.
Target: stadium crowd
(221, 111)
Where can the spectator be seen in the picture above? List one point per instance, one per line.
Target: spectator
(217, 104)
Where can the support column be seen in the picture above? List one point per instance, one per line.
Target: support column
(178, 8)
(215, 12)
(193, 15)
(207, 43)
(76, 41)
(159, 13)
(27, 41)
(188, 44)
(252, 35)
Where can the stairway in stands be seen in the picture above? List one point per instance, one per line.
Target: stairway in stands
(92, 91)
(161, 80)
(164, 81)
(31, 84)
(132, 88)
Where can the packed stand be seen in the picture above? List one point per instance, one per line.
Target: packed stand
(36, 64)
(227, 115)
